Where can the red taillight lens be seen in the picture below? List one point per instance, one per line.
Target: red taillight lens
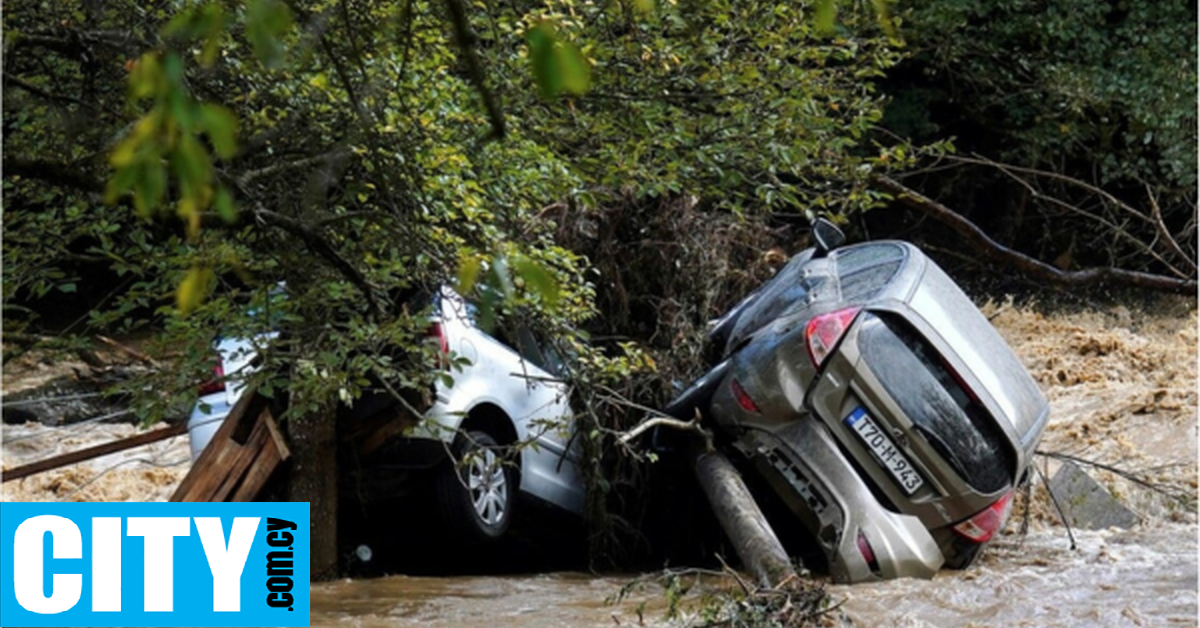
(743, 399)
(985, 524)
(868, 553)
(217, 383)
(436, 330)
(824, 332)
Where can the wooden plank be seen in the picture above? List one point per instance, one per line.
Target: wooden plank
(230, 470)
(372, 441)
(201, 479)
(268, 460)
(246, 454)
(104, 449)
(281, 447)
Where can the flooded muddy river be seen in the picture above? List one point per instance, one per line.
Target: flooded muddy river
(1123, 391)
(1144, 577)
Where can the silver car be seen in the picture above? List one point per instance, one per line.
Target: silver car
(502, 427)
(879, 404)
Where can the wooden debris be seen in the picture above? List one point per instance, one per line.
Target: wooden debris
(104, 449)
(240, 458)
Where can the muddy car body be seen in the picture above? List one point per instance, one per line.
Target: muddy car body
(880, 405)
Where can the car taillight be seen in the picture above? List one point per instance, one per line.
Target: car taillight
(868, 553)
(436, 330)
(743, 399)
(986, 523)
(824, 332)
(217, 383)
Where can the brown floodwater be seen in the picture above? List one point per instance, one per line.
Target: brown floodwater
(1122, 387)
(1143, 577)
(535, 601)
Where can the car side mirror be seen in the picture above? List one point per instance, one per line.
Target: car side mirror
(827, 236)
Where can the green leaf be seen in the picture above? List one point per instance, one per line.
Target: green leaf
(883, 13)
(223, 203)
(146, 76)
(539, 280)
(558, 66)
(576, 73)
(826, 14)
(541, 39)
(121, 182)
(502, 276)
(221, 126)
(192, 290)
(67, 287)
(192, 164)
(150, 187)
(468, 273)
(266, 22)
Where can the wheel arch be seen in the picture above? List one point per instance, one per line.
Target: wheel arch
(491, 418)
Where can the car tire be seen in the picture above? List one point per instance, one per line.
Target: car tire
(477, 491)
(961, 553)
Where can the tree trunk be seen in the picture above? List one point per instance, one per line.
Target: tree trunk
(314, 479)
(755, 542)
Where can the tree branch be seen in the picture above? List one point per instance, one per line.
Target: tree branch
(247, 177)
(319, 246)
(996, 252)
(9, 79)
(1164, 233)
(53, 172)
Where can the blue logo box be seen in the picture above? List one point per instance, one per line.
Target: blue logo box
(160, 564)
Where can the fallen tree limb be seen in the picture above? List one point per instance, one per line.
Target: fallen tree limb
(752, 536)
(1029, 266)
(666, 421)
(92, 452)
(130, 351)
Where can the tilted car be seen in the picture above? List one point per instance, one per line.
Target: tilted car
(879, 404)
(504, 423)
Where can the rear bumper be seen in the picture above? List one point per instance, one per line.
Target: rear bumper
(812, 476)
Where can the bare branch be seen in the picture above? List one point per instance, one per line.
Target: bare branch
(1164, 233)
(1117, 230)
(68, 175)
(996, 252)
(15, 81)
(247, 177)
(1116, 202)
(666, 421)
(321, 247)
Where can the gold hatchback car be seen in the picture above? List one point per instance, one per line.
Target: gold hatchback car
(878, 403)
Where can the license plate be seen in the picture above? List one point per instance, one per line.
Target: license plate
(885, 451)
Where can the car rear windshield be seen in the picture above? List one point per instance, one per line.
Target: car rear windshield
(929, 393)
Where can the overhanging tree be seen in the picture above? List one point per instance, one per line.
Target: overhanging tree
(199, 153)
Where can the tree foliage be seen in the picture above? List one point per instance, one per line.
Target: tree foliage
(1093, 95)
(188, 156)
(358, 149)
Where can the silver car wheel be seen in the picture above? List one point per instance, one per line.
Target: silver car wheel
(489, 487)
